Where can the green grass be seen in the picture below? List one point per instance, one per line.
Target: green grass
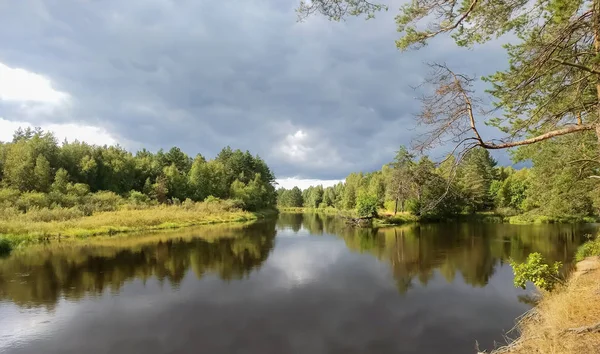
(328, 210)
(530, 218)
(21, 231)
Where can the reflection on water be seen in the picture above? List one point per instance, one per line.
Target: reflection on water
(469, 249)
(304, 283)
(40, 276)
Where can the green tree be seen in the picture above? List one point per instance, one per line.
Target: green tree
(475, 178)
(401, 179)
(42, 174)
(295, 197)
(177, 182)
(61, 181)
(551, 88)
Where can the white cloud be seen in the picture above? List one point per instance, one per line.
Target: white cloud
(303, 183)
(23, 86)
(307, 149)
(68, 131)
(294, 146)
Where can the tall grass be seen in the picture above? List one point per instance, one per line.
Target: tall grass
(18, 229)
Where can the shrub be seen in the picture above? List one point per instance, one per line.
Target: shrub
(78, 189)
(104, 201)
(30, 200)
(138, 198)
(188, 204)
(537, 271)
(5, 247)
(588, 249)
(211, 199)
(9, 213)
(56, 214)
(366, 205)
(8, 196)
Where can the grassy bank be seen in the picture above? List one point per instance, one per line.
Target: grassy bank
(30, 228)
(328, 210)
(567, 320)
(387, 218)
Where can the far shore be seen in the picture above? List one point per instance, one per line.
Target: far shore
(388, 218)
(22, 232)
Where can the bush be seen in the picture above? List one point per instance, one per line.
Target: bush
(5, 247)
(30, 200)
(537, 271)
(138, 198)
(188, 204)
(8, 197)
(366, 205)
(9, 213)
(56, 214)
(104, 201)
(588, 249)
(211, 199)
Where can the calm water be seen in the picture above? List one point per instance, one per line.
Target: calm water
(301, 284)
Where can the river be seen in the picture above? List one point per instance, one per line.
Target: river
(303, 283)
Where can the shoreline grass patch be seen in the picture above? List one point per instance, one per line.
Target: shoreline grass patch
(21, 230)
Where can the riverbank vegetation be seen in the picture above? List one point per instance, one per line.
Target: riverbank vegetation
(565, 321)
(566, 318)
(76, 189)
(409, 189)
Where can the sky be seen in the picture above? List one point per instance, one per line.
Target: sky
(315, 99)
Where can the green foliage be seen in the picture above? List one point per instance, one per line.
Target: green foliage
(34, 163)
(588, 249)
(548, 90)
(5, 246)
(537, 271)
(366, 205)
(138, 198)
(291, 198)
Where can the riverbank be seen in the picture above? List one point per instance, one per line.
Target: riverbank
(24, 230)
(566, 321)
(388, 218)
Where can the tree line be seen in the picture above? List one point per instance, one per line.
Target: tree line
(546, 101)
(551, 187)
(38, 172)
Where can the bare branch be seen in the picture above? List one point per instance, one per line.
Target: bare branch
(449, 110)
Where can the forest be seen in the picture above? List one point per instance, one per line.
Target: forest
(72, 179)
(552, 189)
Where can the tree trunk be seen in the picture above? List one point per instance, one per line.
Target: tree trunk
(596, 28)
(396, 207)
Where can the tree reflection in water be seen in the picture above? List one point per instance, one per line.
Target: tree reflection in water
(471, 250)
(40, 276)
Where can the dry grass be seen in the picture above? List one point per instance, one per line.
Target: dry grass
(564, 320)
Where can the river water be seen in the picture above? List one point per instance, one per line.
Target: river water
(303, 283)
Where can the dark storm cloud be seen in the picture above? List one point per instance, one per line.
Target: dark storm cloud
(315, 99)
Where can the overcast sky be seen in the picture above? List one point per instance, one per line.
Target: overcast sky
(317, 100)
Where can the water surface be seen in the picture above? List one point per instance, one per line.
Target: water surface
(300, 284)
